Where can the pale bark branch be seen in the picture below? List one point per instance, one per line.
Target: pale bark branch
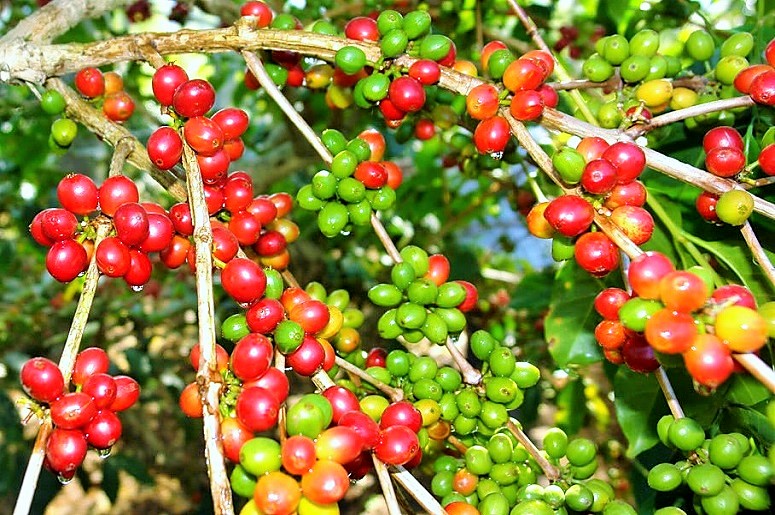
(209, 389)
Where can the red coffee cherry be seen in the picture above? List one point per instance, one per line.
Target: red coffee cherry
(165, 147)
(166, 80)
(193, 98)
(90, 83)
(66, 260)
(78, 194)
(116, 191)
(570, 215)
(243, 280)
(596, 253)
(42, 380)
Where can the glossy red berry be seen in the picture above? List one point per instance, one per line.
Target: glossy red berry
(65, 450)
(259, 10)
(193, 98)
(112, 257)
(599, 176)
(232, 121)
(725, 161)
(58, 224)
(131, 223)
(243, 280)
(78, 194)
(165, 147)
(160, 233)
(608, 302)
(722, 137)
(90, 83)
(115, 191)
(166, 80)
(645, 273)
(203, 135)
(596, 253)
(527, 105)
(42, 380)
(628, 158)
(73, 410)
(570, 215)
(104, 430)
(407, 94)
(706, 206)
(66, 260)
(492, 135)
(127, 393)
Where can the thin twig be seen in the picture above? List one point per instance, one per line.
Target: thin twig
(758, 252)
(289, 279)
(394, 394)
(279, 364)
(414, 488)
(387, 486)
(256, 67)
(322, 381)
(669, 166)
(457, 444)
(385, 239)
(124, 147)
(209, 390)
(689, 112)
(757, 368)
(550, 471)
(559, 68)
(669, 393)
(31, 474)
(471, 375)
(66, 364)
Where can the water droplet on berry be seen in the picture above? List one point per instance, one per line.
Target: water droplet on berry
(137, 288)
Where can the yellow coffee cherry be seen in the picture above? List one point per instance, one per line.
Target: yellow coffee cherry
(655, 92)
(683, 98)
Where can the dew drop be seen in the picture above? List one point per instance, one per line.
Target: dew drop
(137, 288)
(105, 453)
(64, 479)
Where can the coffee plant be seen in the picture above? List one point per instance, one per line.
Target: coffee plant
(333, 212)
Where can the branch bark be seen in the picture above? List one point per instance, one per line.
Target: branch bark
(209, 390)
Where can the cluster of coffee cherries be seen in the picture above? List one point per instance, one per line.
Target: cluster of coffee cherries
(725, 473)
(107, 88)
(358, 183)
(140, 229)
(609, 172)
(83, 418)
(759, 80)
(260, 225)
(216, 140)
(524, 77)
(331, 438)
(725, 157)
(424, 304)
(475, 411)
(679, 312)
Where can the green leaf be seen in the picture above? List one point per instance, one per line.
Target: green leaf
(749, 422)
(533, 293)
(569, 326)
(639, 406)
(746, 390)
(571, 407)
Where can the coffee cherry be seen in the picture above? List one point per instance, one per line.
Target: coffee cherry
(596, 253)
(259, 10)
(243, 280)
(42, 380)
(763, 88)
(115, 191)
(742, 328)
(166, 80)
(725, 162)
(706, 206)
(89, 82)
(645, 273)
(570, 215)
(734, 207)
(66, 260)
(492, 135)
(65, 450)
(193, 98)
(78, 194)
(52, 102)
